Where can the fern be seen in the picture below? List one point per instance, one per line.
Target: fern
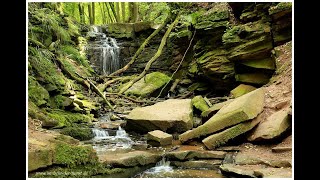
(72, 26)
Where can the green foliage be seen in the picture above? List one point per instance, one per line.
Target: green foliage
(73, 53)
(80, 133)
(156, 12)
(72, 156)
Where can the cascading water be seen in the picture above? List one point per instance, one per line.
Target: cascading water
(121, 133)
(100, 134)
(106, 52)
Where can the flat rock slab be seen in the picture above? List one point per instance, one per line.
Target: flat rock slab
(218, 139)
(247, 159)
(172, 115)
(194, 154)
(129, 159)
(257, 171)
(240, 109)
(198, 164)
(272, 127)
(112, 125)
(215, 108)
(160, 136)
(241, 90)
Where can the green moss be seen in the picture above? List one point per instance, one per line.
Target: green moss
(47, 72)
(39, 158)
(72, 156)
(36, 113)
(66, 118)
(282, 6)
(254, 78)
(80, 133)
(36, 93)
(266, 63)
(60, 101)
(199, 103)
(146, 86)
(241, 90)
(193, 68)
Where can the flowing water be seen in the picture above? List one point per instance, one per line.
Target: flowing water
(106, 52)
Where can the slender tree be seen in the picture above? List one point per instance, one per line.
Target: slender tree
(90, 14)
(123, 11)
(135, 12)
(116, 10)
(103, 12)
(93, 13)
(81, 13)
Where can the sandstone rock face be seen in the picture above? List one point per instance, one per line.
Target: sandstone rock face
(160, 136)
(241, 109)
(273, 126)
(129, 159)
(198, 154)
(173, 115)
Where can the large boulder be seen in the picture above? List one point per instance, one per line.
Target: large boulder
(215, 108)
(149, 85)
(224, 136)
(272, 127)
(129, 159)
(172, 115)
(241, 109)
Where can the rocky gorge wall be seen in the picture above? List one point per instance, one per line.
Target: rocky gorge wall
(233, 44)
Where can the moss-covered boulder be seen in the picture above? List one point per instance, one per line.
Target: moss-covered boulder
(199, 103)
(241, 109)
(36, 113)
(241, 90)
(36, 93)
(272, 127)
(60, 102)
(80, 133)
(67, 118)
(218, 139)
(148, 85)
(253, 78)
(40, 158)
(172, 115)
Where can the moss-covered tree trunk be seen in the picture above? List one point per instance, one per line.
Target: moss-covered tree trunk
(123, 11)
(154, 58)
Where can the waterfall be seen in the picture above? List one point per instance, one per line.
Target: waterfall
(161, 166)
(106, 51)
(121, 133)
(100, 134)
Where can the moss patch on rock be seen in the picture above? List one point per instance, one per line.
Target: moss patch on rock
(36, 93)
(199, 103)
(80, 133)
(149, 84)
(241, 90)
(66, 118)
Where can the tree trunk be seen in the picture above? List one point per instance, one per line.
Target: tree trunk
(114, 13)
(154, 58)
(90, 14)
(141, 48)
(93, 13)
(102, 10)
(117, 11)
(80, 13)
(123, 11)
(131, 12)
(135, 12)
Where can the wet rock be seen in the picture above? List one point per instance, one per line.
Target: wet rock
(241, 109)
(195, 154)
(112, 125)
(159, 136)
(199, 103)
(173, 115)
(148, 85)
(129, 159)
(224, 136)
(198, 164)
(272, 127)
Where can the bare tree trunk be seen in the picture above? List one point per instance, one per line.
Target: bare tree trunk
(93, 13)
(102, 10)
(131, 12)
(123, 11)
(117, 11)
(154, 58)
(114, 13)
(90, 14)
(135, 12)
(80, 13)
